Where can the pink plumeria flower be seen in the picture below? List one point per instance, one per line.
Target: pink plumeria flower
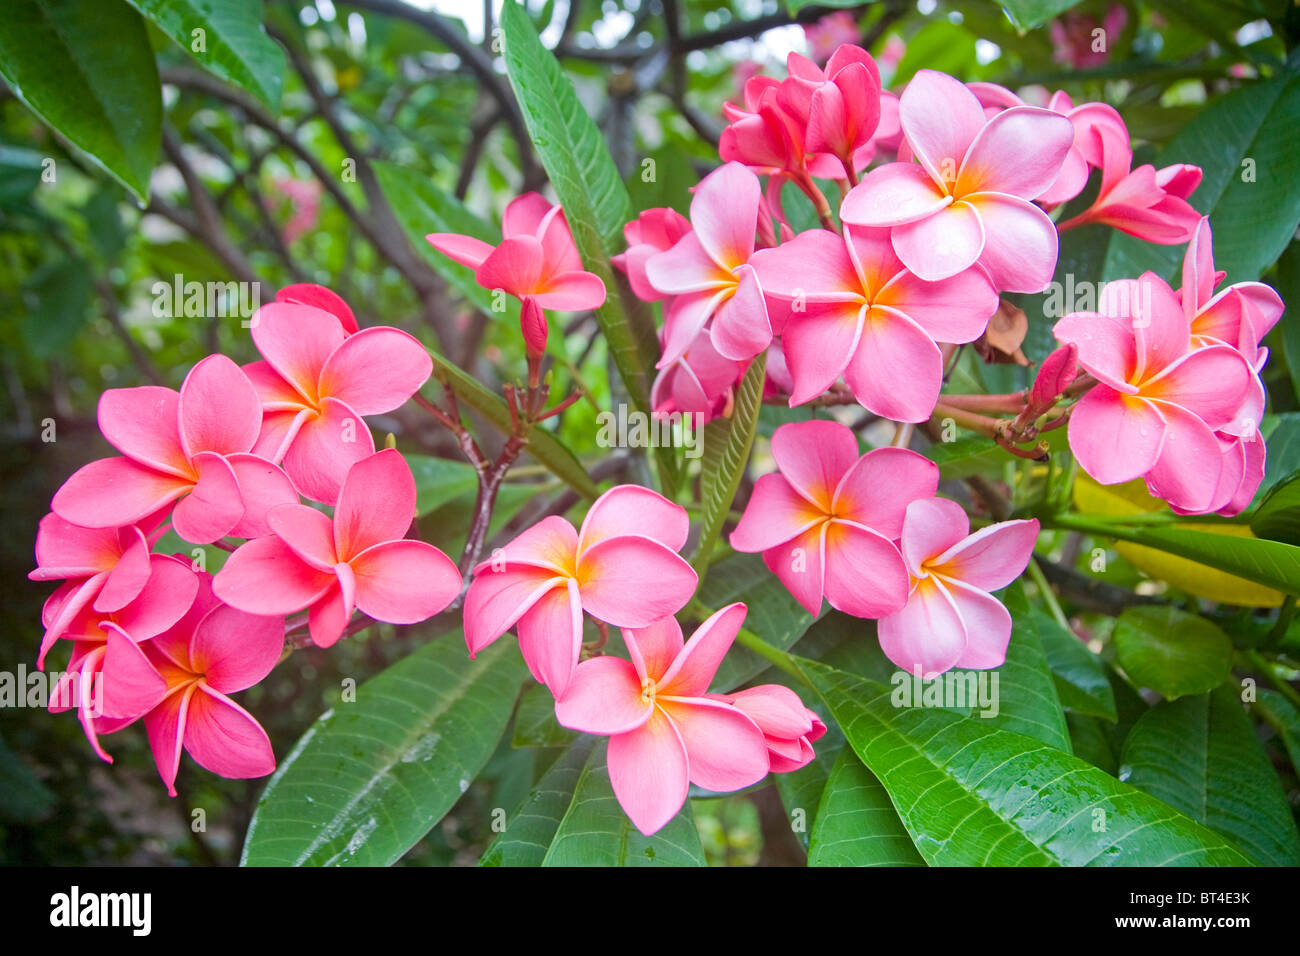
(839, 107)
(699, 383)
(316, 384)
(307, 293)
(1159, 401)
(1145, 202)
(360, 559)
(969, 199)
(622, 568)
(827, 34)
(789, 728)
(109, 679)
(1241, 473)
(664, 733)
(708, 272)
(212, 652)
(951, 619)
(826, 523)
(536, 257)
(106, 568)
(1074, 37)
(654, 231)
(194, 446)
(852, 308)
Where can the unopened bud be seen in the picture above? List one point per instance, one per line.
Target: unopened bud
(533, 323)
(1055, 375)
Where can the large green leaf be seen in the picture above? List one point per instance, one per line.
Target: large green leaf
(1027, 699)
(587, 185)
(535, 723)
(370, 778)
(232, 44)
(531, 828)
(1170, 651)
(856, 823)
(1278, 515)
(596, 832)
(727, 443)
(970, 794)
(1248, 146)
(1200, 755)
(57, 297)
(1080, 677)
(440, 480)
(1027, 14)
(1288, 287)
(1285, 718)
(86, 68)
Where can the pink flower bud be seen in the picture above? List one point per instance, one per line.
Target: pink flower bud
(533, 324)
(1055, 375)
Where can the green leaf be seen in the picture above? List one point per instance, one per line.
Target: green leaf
(1251, 130)
(1080, 677)
(938, 45)
(774, 614)
(1027, 14)
(1288, 287)
(1170, 651)
(1278, 515)
(1285, 719)
(369, 779)
(535, 723)
(1200, 755)
(596, 832)
(542, 444)
(727, 443)
(57, 297)
(23, 798)
(531, 828)
(972, 795)
(440, 480)
(857, 824)
(88, 71)
(801, 790)
(1027, 700)
(588, 186)
(233, 44)
(1090, 742)
(1283, 440)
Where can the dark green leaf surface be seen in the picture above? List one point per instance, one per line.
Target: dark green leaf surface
(857, 824)
(1172, 652)
(1080, 677)
(535, 723)
(1027, 699)
(531, 828)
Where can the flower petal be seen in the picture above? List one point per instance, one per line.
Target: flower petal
(725, 750)
(141, 423)
(876, 491)
(1019, 152)
(604, 697)
(927, 637)
(865, 575)
(1115, 437)
(219, 410)
(214, 506)
(992, 557)
(941, 245)
(550, 637)
(264, 576)
(1020, 242)
(654, 648)
(234, 650)
(326, 446)
(632, 509)
(775, 514)
(376, 503)
(813, 456)
(649, 772)
(404, 582)
(632, 582)
(114, 492)
(988, 626)
(692, 670)
(799, 564)
(296, 340)
(376, 370)
(897, 369)
(224, 738)
(940, 119)
(892, 195)
(497, 599)
(724, 213)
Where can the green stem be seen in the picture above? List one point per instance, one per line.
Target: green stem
(1284, 616)
(1269, 670)
(777, 656)
(1049, 596)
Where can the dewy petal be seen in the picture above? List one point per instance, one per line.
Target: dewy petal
(632, 509)
(1020, 242)
(1115, 437)
(897, 369)
(264, 576)
(799, 565)
(129, 574)
(1019, 152)
(496, 600)
(876, 491)
(940, 119)
(813, 456)
(930, 527)
(376, 370)
(775, 514)
(234, 650)
(941, 245)
(166, 599)
(219, 410)
(1106, 347)
(1149, 306)
(1187, 472)
(1210, 383)
(604, 697)
(297, 340)
(214, 506)
(376, 503)
(631, 581)
(1198, 270)
(928, 636)
(223, 737)
(654, 648)
(992, 557)
(404, 582)
(988, 626)
(741, 327)
(818, 346)
(114, 492)
(550, 637)
(865, 575)
(692, 670)
(141, 423)
(814, 265)
(892, 195)
(326, 446)
(725, 750)
(724, 213)
(328, 617)
(956, 309)
(649, 773)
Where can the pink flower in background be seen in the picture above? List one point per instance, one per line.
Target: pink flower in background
(212, 652)
(315, 385)
(838, 108)
(969, 199)
(664, 733)
(1078, 40)
(306, 293)
(1159, 401)
(789, 728)
(193, 446)
(655, 230)
(708, 272)
(108, 679)
(361, 559)
(826, 522)
(622, 568)
(304, 203)
(536, 257)
(851, 308)
(698, 383)
(826, 35)
(951, 619)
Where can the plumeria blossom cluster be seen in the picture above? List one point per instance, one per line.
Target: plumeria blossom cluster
(951, 198)
(227, 461)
